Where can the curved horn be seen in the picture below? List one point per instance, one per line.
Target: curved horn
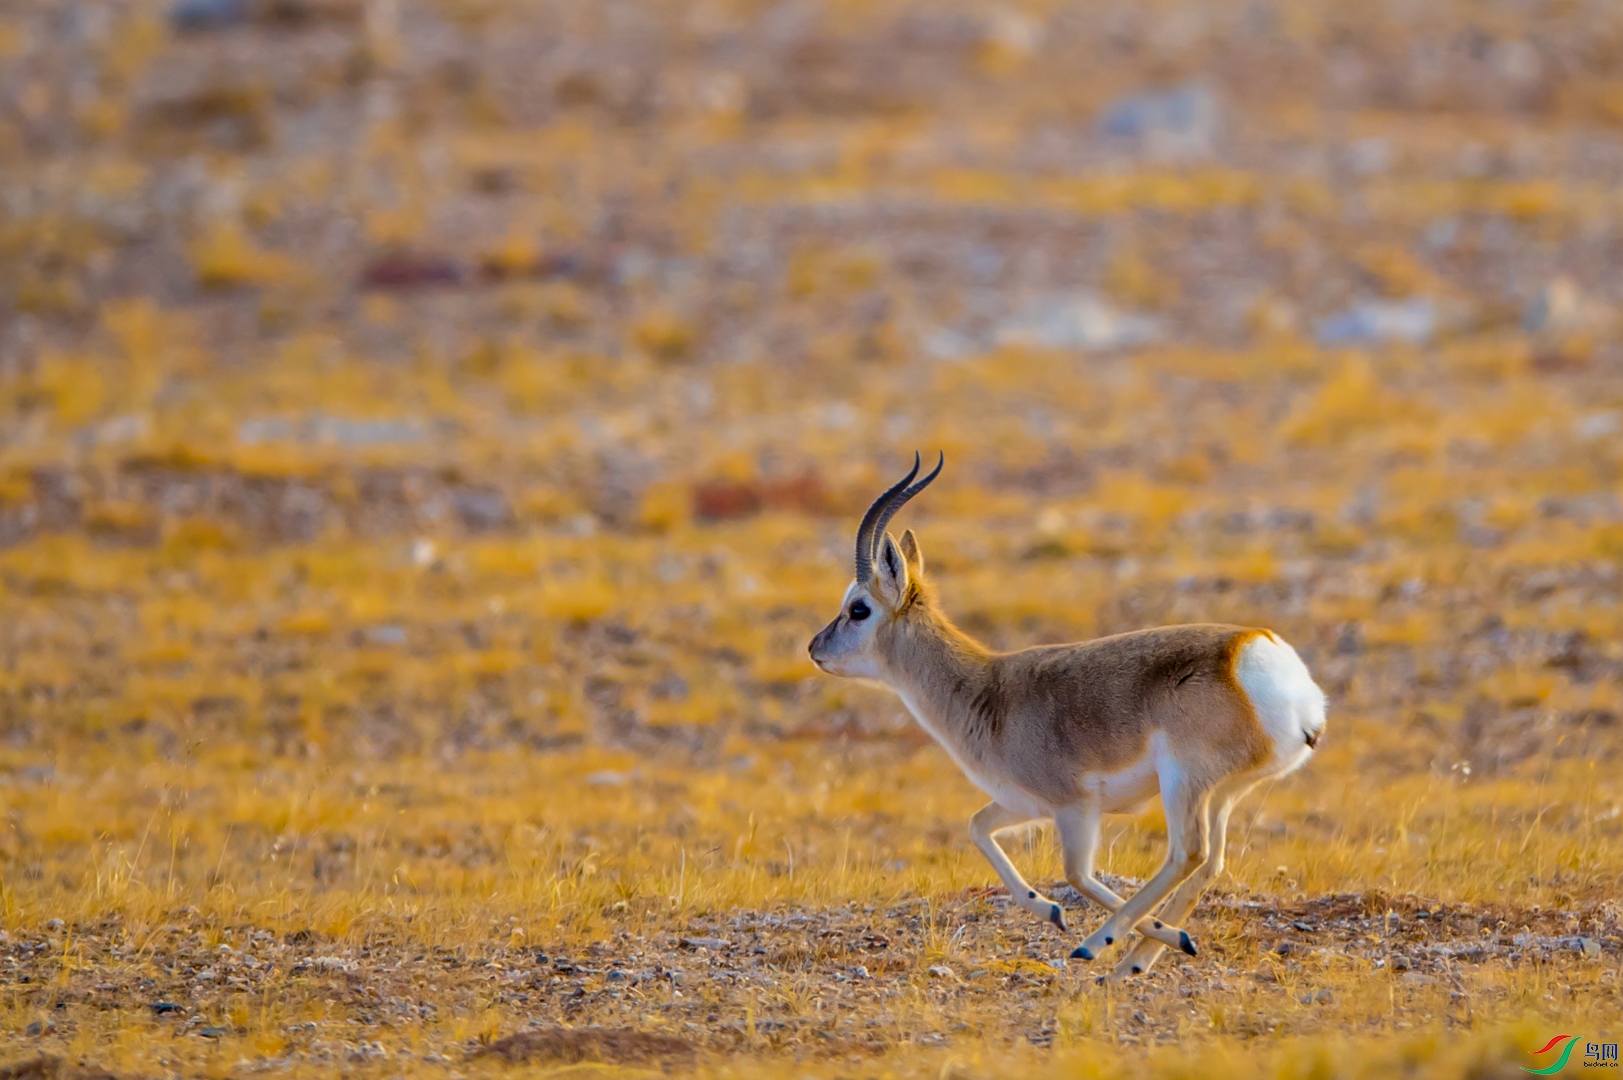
(865, 531)
(901, 500)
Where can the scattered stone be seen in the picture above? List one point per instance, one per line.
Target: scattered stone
(1180, 122)
(1559, 307)
(1411, 322)
(193, 16)
(1079, 320)
(204, 16)
(711, 943)
(408, 271)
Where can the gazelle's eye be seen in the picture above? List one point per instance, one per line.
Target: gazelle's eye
(859, 611)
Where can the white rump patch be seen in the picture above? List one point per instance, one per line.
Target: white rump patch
(1288, 703)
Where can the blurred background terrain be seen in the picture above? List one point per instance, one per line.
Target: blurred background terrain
(430, 431)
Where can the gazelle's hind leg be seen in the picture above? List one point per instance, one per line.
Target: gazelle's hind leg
(1143, 955)
(1188, 846)
(983, 827)
(1078, 828)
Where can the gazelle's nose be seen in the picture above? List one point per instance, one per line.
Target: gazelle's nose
(816, 644)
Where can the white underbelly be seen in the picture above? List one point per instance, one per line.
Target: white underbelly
(1006, 794)
(1125, 789)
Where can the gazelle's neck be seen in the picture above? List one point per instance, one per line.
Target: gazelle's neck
(944, 675)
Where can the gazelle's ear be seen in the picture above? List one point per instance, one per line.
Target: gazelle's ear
(890, 570)
(911, 552)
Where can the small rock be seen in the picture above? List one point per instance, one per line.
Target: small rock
(386, 635)
(711, 943)
(860, 972)
(616, 975)
(214, 1032)
(406, 271)
(191, 16)
(1599, 425)
(1179, 122)
(1401, 963)
(1414, 978)
(162, 1007)
(1589, 947)
(1139, 1017)
(1076, 321)
(1412, 321)
(36, 1028)
(608, 778)
(330, 963)
(942, 971)
(1559, 308)
(1302, 926)
(53, 925)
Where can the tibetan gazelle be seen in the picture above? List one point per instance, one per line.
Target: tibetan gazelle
(1199, 713)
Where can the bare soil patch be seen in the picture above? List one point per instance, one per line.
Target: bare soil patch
(612, 1046)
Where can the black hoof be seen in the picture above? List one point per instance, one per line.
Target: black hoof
(1137, 970)
(1057, 917)
(1081, 953)
(1110, 941)
(1185, 943)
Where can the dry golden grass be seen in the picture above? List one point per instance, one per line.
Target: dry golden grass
(425, 453)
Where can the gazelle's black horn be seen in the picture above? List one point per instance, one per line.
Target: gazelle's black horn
(901, 500)
(876, 513)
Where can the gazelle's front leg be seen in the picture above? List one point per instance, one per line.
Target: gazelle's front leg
(983, 827)
(1188, 846)
(1078, 828)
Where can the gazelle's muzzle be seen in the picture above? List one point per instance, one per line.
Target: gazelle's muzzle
(819, 642)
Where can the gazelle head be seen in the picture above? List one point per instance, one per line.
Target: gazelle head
(886, 584)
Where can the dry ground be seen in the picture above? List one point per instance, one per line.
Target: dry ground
(430, 432)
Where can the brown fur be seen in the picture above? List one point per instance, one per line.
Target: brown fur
(1046, 717)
